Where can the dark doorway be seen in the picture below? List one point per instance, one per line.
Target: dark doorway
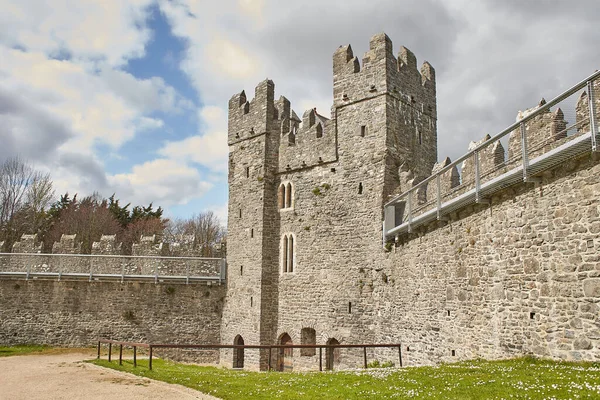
(285, 362)
(332, 356)
(238, 354)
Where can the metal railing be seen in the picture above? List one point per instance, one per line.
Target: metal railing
(542, 139)
(96, 267)
(152, 347)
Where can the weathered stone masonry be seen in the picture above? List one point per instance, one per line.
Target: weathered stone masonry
(519, 277)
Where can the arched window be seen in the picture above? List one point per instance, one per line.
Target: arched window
(308, 336)
(284, 253)
(287, 253)
(319, 131)
(288, 195)
(281, 196)
(291, 253)
(285, 195)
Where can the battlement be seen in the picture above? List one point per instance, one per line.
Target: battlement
(248, 119)
(382, 72)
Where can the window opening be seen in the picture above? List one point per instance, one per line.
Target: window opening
(319, 131)
(247, 172)
(285, 254)
(360, 188)
(281, 196)
(288, 196)
(252, 232)
(241, 270)
(240, 213)
(349, 307)
(363, 130)
(308, 336)
(291, 255)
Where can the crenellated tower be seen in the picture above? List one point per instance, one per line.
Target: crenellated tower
(306, 196)
(253, 137)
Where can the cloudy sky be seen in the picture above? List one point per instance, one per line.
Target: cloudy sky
(130, 96)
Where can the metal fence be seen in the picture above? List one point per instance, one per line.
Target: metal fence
(112, 267)
(544, 137)
(270, 348)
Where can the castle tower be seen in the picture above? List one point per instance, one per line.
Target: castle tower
(250, 311)
(305, 203)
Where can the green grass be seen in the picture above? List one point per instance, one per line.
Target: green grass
(523, 378)
(6, 351)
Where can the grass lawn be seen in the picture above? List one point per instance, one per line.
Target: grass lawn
(523, 378)
(24, 349)
(6, 351)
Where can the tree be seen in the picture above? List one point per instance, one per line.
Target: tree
(206, 228)
(24, 195)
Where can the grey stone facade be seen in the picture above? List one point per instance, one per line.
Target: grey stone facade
(518, 278)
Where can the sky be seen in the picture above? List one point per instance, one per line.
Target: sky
(130, 96)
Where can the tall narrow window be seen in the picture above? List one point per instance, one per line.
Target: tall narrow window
(420, 137)
(319, 131)
(241, 270)
(247, 172)
(284, 252)
(281, 196)
(240, 213)
(291, 255)
(287, 253)
(360, 188)
(288, 195)
(252, 232)
(285, 195)
(363, 130)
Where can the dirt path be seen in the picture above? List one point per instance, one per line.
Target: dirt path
(64, 376)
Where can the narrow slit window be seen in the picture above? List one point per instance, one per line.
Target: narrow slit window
(252, 232)
(240, 213)
(291, 255)
(349, 307)
(420, 137)
(284, 252)
(251, 301)
(288, 195)
(363, 130)
(281, 196)
(360, 188)
(241, 270)
(247, 172)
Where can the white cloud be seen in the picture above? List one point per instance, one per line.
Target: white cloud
(113, 31)
(209, 149)
(162, 181)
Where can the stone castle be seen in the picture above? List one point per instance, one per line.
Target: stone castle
(306, 263)
(517, 274)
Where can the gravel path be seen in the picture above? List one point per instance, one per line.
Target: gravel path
(65, 376)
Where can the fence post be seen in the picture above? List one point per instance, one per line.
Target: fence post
(122, 271)
(400, 354)
(365, 356)
(187, 273)
(270, 351)
(109, 351)
(593, 128)
(320, 359)
(121, 354)
(150, 359)
(98, 357)
(134, 356)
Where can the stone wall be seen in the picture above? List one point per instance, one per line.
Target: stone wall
(519, 277)
(78, 313)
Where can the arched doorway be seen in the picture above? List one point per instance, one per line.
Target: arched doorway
(238, 354)
(332, 355)
(285, 362)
